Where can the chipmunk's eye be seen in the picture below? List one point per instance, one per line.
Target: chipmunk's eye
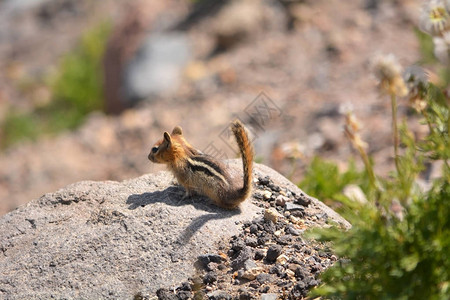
(154, 149)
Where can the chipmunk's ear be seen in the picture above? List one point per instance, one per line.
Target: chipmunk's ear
(167, 138)
(177, 131)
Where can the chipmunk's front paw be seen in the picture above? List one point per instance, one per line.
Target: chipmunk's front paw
(186, 196)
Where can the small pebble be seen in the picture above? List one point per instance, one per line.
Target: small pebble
(218, 295)
(290, 273)
(280, 200)
(271, 214)
(294, 231)
(264, 180)
(252, 273)
(276, 269)
(293, 267)
(259, 254)
(274, 187)
(244, 294)
(282, 259)
(183, 295)
(296, 220)
(285, 284)
(208, 258)
(267, 195)
(185, 286)
(249, 264)
(284, 239)
(300, 273)
(293, 207)
(264, 278)
(272, 253)
(303, 200)
(209, 278)
(270, 296)
(262, 240)
(251, 241)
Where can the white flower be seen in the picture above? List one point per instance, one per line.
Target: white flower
(388, 71)
(435, 17)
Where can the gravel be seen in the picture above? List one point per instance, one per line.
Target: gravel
(270, 259)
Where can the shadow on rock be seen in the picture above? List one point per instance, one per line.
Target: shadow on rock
(199, 221)
(173, 196)
(195, 225)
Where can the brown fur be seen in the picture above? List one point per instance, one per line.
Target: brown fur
(202, 174)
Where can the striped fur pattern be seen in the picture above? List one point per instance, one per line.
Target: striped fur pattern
(202, 174)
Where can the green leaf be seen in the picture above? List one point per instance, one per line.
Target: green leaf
(409, 263)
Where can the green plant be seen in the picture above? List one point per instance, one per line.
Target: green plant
(399, 242)
(78, 82)
(324, 181)
(426, 47)
(385, 255)
(389, 258)
(16, 127)
(76, 89)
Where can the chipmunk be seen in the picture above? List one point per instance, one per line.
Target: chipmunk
(202, 174)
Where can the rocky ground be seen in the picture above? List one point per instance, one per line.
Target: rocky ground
(286, 68)
(269, 259)
(137, 238)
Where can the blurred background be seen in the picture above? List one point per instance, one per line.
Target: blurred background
(86, 87)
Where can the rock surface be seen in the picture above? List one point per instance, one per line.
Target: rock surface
(114, 240)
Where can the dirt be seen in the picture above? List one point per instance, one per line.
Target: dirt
(288, 76)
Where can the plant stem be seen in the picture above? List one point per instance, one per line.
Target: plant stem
(427, 119)
(395, 130)
(369, 168)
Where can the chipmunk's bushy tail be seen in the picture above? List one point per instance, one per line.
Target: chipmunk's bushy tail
(246, 149)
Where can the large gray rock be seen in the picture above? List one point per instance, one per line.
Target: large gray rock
(94, 240)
